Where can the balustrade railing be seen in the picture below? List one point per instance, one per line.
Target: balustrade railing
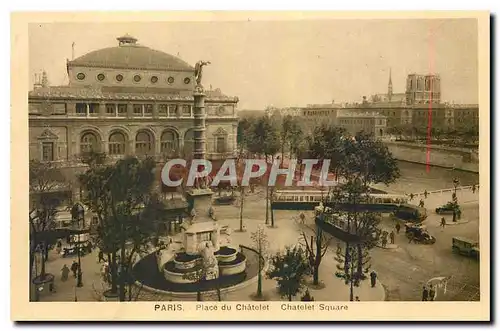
(459, 188)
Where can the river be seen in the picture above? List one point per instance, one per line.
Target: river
(415, 178)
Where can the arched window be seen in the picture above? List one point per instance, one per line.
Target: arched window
(189, 142)
(89, 143)
(117, 143)
(144, 143)
(169, 142)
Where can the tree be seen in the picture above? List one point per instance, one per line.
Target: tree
(369, 160)
(316, 249)
(349, 267)
(327, 143)
(344, 200)
(289, 269)
(264, 140)
(243, 133)
(261, 245)
(120, 195)
(289, 128)
(44, 179)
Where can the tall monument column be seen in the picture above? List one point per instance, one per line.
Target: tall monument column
(202, 235)
(199, 122)
(200, 195)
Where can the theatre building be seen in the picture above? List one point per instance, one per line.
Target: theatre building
(126, 100)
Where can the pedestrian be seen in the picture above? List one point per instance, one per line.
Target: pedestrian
(443, 222)
(473, 188)
(58, 246)
(89, 246)
(357, 299)
(392, 237)
(411, 196)
(105, 272)
(425, 194)
(64, 273)
(101, 257)
(421, 203)
(425, 294)
(373, 278)
(432, 293)
(384, 241)
(74, 268)
(398, 227)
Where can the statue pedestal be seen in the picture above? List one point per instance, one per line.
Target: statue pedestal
(200, 200)
(203, 229)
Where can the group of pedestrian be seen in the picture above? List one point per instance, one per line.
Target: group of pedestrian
(65, 271)
(421, 203)
(428, 294)
(391, 236)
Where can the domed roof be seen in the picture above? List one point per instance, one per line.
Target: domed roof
(129, 55)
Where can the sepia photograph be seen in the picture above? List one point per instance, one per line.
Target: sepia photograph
(251, 166)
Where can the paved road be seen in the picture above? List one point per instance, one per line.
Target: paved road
(402, 271)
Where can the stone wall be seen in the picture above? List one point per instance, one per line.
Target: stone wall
(447, 157)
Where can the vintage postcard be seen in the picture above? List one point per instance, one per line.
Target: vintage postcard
(251, 166)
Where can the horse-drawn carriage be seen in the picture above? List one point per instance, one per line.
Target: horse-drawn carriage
(418, 234)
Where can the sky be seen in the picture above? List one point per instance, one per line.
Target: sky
(287, 63)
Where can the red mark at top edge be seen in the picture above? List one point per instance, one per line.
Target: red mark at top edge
(429, 115)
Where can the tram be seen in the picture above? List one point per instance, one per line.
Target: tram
(317, 196)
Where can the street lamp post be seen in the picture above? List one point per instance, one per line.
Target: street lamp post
(78, 215)
(456, 182)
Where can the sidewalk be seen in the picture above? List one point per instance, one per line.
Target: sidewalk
(436, 200)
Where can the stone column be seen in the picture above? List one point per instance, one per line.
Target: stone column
(130, 110)
(71, 108)
(156, 110)
(158, 145)
(102, 109)
(199, 124)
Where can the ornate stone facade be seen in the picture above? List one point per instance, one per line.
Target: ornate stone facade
(127, 100)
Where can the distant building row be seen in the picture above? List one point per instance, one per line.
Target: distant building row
(419, 105)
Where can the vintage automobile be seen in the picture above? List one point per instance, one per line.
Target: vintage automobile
(465, 246)
(418, 234)
(448, 208)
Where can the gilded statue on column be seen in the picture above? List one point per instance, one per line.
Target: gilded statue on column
(198, 71)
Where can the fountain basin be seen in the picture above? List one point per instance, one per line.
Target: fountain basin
(153, 278)
(185, 261)
(234, 267)
(174, 274)
(226, 254)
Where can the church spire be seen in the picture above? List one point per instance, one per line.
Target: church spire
(389, 88)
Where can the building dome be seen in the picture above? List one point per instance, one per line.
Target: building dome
(129, 55)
